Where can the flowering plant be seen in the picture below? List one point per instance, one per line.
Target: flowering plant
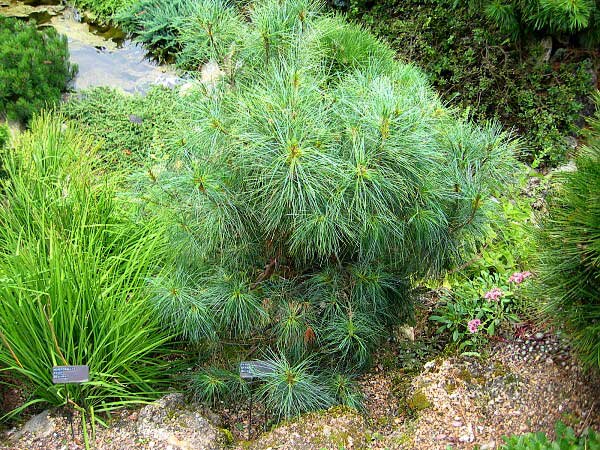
(473, 311)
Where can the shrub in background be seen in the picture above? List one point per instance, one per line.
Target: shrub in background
(73, 274)
(34, 68)
(569, 251)
(471, 63)
(318, 178)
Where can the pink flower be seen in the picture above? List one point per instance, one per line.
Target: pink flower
(473, 325)
(519, 277)
(494, 294)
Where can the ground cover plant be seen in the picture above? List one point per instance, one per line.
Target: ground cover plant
(318, 178)
(73, 274)
(569, 245)
(541, 92)
(34, 68)
(128, 130)
(104, 9)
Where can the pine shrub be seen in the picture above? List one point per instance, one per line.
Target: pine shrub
(34, 68)
(318, 179)
(569, 259)
(555, 17)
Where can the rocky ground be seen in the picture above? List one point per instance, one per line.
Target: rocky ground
(522, 384)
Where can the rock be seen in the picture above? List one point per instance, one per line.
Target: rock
(489, 446)
(457, 423)
(408, 332)
(170, 421)
(39, 426)
(429, 365)
(539, 336)
(210, 75)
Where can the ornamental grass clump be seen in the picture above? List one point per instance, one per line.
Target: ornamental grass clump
(73, 277)
(318, 179)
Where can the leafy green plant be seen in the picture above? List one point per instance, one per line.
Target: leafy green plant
(499, 267)
(569, 251)
(542, 95)
(74, 275)
(313, 184)
(566, 439)
(476, 309)
(130, 130)
(34, 68)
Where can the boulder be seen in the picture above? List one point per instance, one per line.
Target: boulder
(174, 423)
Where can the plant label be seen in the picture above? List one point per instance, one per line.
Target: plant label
(70, 374)
(254, 369)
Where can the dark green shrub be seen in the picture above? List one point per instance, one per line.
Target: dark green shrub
(315, 182)
(34, 68)
(73, 277)
(128, 129)
(565, 440)
(470, 62)
(569, 252)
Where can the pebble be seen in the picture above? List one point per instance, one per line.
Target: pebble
(457, 423)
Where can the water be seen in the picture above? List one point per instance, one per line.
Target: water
(104, 55)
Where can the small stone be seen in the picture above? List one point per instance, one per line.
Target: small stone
(466, 438)
(457, 423)
(539, 336)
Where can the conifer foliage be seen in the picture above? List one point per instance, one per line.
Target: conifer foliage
(34, 68)
(557, 17)
(318, 178)
(569, 242)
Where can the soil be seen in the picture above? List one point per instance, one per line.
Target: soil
(523, 384)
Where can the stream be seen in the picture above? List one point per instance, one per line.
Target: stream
(104, 55)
